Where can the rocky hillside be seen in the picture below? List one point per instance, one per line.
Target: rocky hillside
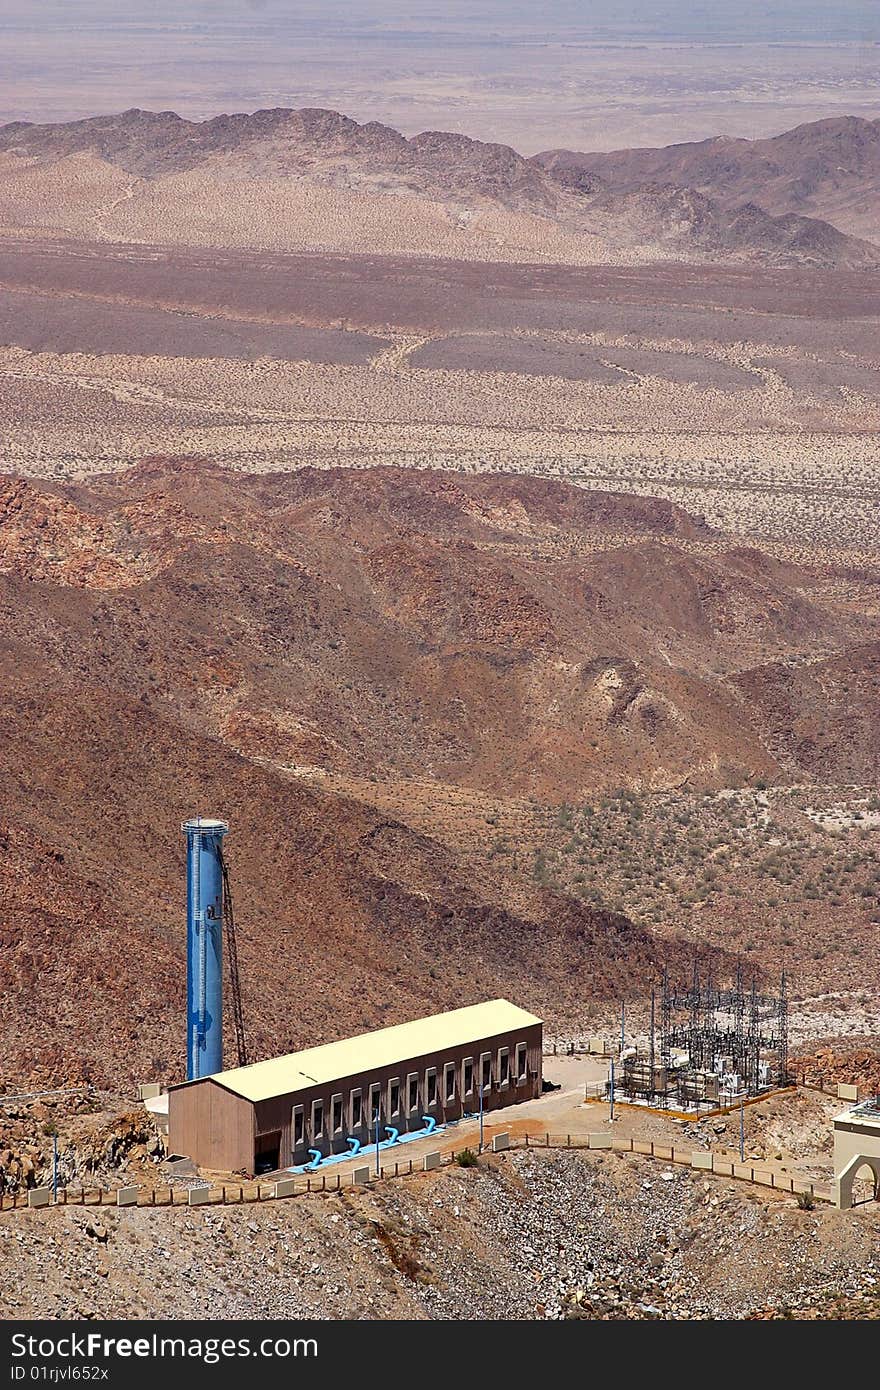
(438, 172)
(528, 1235)
(826, 169)
(181, 638)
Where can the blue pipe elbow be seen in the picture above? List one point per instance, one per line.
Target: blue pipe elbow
(430, 1122)
(316, 1160)
(393, 1133)
(355, 1145)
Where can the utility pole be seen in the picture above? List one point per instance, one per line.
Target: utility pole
(377, 1140)
(481, 1117)
(742, 1127)
(54, 1167)
(611, 1092)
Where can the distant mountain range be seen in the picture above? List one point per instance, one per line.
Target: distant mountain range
(810, 197)
(827, 169)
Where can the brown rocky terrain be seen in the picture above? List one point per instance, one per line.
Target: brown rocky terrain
(330, 658)
(125, 173)
(523, 1235)
(827, 169)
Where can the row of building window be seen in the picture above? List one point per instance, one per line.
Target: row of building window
(417, 1092)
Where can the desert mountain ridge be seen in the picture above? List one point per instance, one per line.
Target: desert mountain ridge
(828, 169)
(468, 184)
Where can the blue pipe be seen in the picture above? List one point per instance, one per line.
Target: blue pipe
(204, 946)
(355, 1146)
(430, 1122)
(394, 1133)
(316, 1161)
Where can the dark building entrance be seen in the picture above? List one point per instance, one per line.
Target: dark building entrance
(267, 1158)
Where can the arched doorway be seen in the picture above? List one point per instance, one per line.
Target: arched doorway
(858, 1167)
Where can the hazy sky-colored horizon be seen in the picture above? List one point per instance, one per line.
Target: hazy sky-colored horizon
(589, 73)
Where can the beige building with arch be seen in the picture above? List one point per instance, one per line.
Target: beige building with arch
(856, 1147)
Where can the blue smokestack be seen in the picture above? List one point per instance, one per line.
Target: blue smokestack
(204, 946)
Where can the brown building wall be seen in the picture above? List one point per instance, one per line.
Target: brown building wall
(276, 1114)
(269, 1124)
(212, 1126)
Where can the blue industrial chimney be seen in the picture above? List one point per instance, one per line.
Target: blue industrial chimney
(204, 946)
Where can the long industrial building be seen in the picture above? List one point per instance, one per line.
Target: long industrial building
(274, 1114)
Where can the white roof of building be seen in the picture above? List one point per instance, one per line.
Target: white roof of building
(371, 1052)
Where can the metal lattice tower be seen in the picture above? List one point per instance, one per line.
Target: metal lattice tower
(232, 963)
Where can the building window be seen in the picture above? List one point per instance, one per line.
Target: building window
(356, 1110)
(375, 1102)
(504, 1066)
(317, 1119)
(522, 1053)
(467, 1077)
(486, 1071)
(449, 1083)
(431, 1086)
(412, 1092)
(336, 1114)
(394, 1097)
(299, 1126)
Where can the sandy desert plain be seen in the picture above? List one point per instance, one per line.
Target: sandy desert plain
(751, 397)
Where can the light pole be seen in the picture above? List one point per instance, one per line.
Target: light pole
(377, 1140)
(481, 1117)
(55, 1167)
(742, 1127)
(622, 1025)
(611, 1092)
